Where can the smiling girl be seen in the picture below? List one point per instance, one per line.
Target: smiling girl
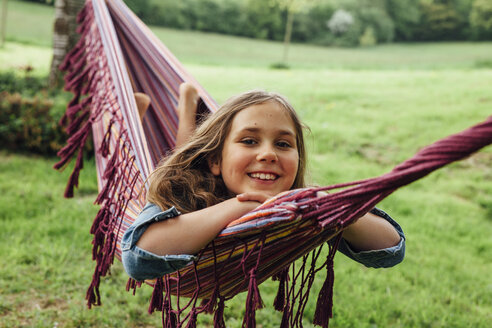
(251, 149)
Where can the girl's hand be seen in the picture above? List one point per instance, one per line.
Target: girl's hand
(254, 196)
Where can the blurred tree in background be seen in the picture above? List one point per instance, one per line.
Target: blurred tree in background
(308, 20)
(64, 35)
(481, 19)
(406, 18)
(374, 21)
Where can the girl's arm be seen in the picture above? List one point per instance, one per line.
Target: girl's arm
(371, 232)
(189, 233)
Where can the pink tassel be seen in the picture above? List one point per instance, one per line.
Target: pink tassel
(82, 14)
(104, 148)
(110, 175)
(90, 79)
(170, 320)
(73, 181)
(71, 79)
(156, 301)
(285, 317)
(324, 305)
(282, 277)
(100, 217)
(253, 301)
(92, 296)
(212, 302)
(75, 125)
(219, 314)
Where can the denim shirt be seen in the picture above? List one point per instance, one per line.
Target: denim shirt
(141, 264)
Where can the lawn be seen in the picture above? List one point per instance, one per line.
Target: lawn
(368, 110)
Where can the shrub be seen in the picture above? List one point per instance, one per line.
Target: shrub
(378, 20)
(29, 114)
(310, 26)
(405, 16)
(367, 39)
(11, 82)
(481, 19)
(27, 124)
(361, 20)
(340, 22)
(439, 21)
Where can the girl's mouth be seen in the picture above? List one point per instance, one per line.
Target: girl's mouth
(263, 176)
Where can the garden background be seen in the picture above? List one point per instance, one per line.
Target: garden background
(369, 107)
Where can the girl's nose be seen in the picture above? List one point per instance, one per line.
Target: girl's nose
(267, 154)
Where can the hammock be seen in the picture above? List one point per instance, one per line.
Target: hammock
(264, 243)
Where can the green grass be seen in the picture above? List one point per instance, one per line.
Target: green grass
(368, 110)
(29, 23)
(223, 50)
(363, 123)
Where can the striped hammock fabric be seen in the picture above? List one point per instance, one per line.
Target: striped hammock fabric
(116, 56)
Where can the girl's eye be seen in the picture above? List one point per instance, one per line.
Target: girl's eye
(248, 141)
(283, 144)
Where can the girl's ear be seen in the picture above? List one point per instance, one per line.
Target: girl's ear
(214, 166)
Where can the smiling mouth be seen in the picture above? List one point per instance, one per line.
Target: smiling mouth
(264, 176)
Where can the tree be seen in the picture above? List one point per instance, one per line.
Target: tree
(64, 34)
(405, 16)
(439, 21)
(291, 7)
(3, 23)
(481, 19)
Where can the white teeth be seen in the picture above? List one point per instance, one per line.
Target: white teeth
(263, 176)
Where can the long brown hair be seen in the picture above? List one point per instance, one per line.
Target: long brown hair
(184, 180)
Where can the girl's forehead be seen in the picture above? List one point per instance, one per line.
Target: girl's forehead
(264, 113)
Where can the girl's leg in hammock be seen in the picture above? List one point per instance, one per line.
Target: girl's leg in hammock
(187, 105)
(143, 102)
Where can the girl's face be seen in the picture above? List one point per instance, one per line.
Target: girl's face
(260, 152)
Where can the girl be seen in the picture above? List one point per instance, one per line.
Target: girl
(251, 149)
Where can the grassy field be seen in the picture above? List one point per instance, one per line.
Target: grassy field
(368, 110)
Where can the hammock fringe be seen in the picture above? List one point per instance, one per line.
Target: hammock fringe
(219, 314)
(324, 306)
(99, 105)
(282, 277)
(156, 301)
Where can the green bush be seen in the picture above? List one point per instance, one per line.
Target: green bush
(481, 19)
(378, 20)
(45, 2)
(27, 124)
(29, 114)
(367, 39)
(11, 82)
(311, 26)
(405, 16)
(439, 21)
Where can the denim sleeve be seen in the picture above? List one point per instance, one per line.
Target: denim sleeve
(381, 258)
(141, 264)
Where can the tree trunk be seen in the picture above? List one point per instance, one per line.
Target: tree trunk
(288, 33)
(64, 35)
(3, 23)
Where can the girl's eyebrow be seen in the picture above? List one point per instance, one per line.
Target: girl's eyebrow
(255, 129)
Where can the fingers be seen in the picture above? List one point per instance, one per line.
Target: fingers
(253, 197)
